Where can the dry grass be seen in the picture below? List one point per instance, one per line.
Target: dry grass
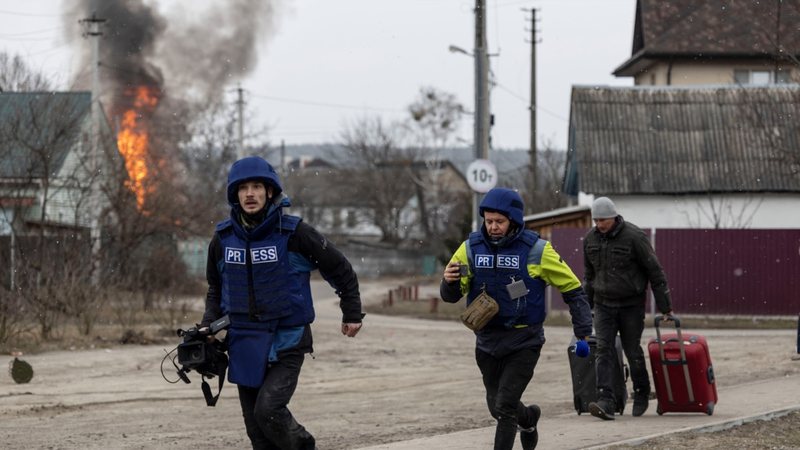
(122, 321)
(778, 433)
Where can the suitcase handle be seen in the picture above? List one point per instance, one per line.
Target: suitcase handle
(683, 361)
(669, 318)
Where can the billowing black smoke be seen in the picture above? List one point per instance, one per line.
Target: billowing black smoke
(192, 51)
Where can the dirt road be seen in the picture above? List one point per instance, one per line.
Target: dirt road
(400, 378)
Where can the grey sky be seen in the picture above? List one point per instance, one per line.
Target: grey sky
(329, 62)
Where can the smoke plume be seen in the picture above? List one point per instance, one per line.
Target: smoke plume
(193, 51)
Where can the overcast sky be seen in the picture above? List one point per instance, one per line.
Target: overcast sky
(329, 62)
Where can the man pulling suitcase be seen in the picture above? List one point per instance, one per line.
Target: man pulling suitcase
(619, 263)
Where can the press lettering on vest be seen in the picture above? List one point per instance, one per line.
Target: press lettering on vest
(484, 261)
(234, 255)
(263, 255)
(508, 261)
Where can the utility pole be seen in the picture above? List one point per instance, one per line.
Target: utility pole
(534, 161)
(240, 105)
(482, 115)
(283, 158)
(92, 26)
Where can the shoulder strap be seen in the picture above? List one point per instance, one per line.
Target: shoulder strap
(536, 252)
(473, 239)
(223, 367)
(528, 237)
(469, 254)
(224, 224)
(289, 223)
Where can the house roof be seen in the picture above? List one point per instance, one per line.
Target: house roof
(310, 187)
(39, 122)
(710, 29)
(681, 140)
(332, 187)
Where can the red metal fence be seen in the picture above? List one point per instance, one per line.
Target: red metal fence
(729, 272)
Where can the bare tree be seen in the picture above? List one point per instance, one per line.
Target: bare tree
(721, 212)
(547, 194)
(205, 159)
(16, 76)
(12, 311)
(371, 148)
(40, 144)
(435, 118)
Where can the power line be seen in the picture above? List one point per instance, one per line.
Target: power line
(26, 39)
(521, 98)
(328, 105)
(42, 52)
(15, 13)
(28, 33)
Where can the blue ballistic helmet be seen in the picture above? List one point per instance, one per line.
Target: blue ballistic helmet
(506, 202)
(252, 168)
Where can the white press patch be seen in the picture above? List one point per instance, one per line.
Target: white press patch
(508, 261)
(263, 255)
(234, 255)
(484, 261)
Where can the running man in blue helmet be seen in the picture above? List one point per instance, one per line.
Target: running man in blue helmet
(512, 265)
(259, 263)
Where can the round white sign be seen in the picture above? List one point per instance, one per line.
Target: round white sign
(481, 175)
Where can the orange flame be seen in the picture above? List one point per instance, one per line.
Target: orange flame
(133, 143)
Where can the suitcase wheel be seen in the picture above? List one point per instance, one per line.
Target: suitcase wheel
(710, 408)
(661, 411)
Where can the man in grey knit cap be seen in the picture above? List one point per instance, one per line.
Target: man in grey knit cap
(619, 262)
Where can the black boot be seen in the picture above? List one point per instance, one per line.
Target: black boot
(529, 437)
(603, 409)
(640, 402)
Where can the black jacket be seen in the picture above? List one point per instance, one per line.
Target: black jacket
(619, 264)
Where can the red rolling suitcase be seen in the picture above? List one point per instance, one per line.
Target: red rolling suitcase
(682, 371)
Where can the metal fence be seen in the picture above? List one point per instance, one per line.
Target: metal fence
(719, 272)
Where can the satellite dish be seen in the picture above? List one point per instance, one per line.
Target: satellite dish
(21, 372)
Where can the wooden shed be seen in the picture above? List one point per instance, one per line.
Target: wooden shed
(570, 217)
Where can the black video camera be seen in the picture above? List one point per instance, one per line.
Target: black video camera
(196, 353)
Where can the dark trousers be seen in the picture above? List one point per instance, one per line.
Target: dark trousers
(628, 321)
(505, 379)
(269, 424)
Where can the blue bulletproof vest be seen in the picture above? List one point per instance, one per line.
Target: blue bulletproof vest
(263, 267)
(264, 287)
(494, 269)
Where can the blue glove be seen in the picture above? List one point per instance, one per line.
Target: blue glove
(582, 348)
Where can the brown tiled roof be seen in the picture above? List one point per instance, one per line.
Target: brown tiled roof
(683, 140)
(714, 28)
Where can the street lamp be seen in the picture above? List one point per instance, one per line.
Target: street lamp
(481, 115)
(457, 49)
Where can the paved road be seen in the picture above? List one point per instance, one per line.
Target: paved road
(738, 404)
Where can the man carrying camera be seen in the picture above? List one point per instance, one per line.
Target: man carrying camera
(259, 263)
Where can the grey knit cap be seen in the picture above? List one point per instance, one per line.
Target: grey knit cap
(603, 208)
